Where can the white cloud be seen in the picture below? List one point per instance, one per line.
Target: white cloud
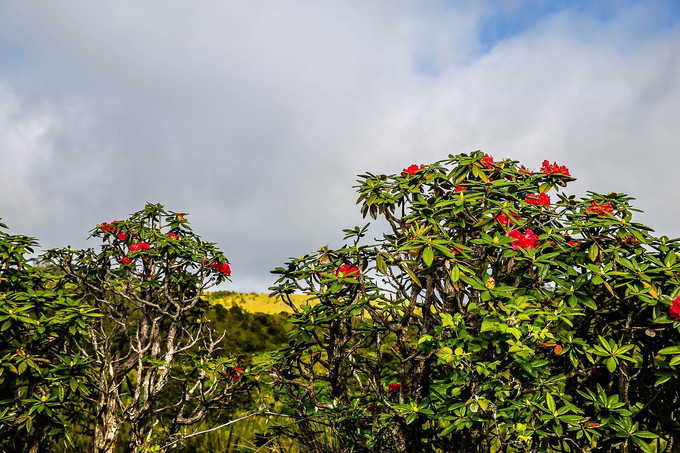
(256, 116)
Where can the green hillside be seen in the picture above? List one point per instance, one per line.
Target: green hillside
(252, 302)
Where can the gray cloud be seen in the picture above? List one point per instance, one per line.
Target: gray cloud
(256, 116)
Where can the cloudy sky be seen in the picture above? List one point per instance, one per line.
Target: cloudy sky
(256, 116)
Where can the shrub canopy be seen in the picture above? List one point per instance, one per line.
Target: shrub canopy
(496, 313)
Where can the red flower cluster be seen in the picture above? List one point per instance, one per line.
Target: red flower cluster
(372, 408)
(138, 246)
(125, 261)
(173, 236)
(554, 169)
(524, 170)
(502, 219)
(455, 249)
(109, 227)
(411, 170)
(674, 310)
(526, 240)
(347, 271)
(603, 210)
(122, 236)
(222, 268)
(393, 387)
(459, 189)
(487, 160)
(236, 373)
(538, 200)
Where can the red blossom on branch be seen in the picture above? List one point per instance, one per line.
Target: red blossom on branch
(109, 227)
(459, 189)
(393, 387)
(222, 268)
(347, 271)
(411, 170)
(138, 246)
(125, 261)
(674, 309)
(554, 169)
(487, 160)
(122, 236)
(538, 200)
(503, 219)
(236, 373)
(526, 240)
(173, 236)
(603, 210)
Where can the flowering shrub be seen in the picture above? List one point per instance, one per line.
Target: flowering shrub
(153, 344)
(558, 333)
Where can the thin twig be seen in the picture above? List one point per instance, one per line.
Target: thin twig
(223, 425)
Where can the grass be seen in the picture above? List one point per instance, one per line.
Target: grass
(253, 302)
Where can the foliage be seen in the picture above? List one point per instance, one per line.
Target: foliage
(154, 356)
(488, 318)
(43, 377)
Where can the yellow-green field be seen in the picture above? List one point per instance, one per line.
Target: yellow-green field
(253, 302)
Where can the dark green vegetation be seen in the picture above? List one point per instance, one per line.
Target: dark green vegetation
(497, 315)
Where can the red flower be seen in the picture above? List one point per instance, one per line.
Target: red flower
(372, 408)
(411, 170)
(502, 219)
(236, 373)
(526, 240)
(393, 387)
(603, 210)
(460, 189)
(122, 236)
(487, 160)
(554, 169)
(525, 170)
(125, 261)
(347, 271)
(455, 249)
(137, 246)
(173, 236)
(109, 227)
(538, 200)
(222, 268)
(674, 310)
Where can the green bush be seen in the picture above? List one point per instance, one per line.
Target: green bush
(43, 376)
(497, 314)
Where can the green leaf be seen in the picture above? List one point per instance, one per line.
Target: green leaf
(670, 350)
(380, 264)
(487, 326)
(428, 256)
(593, 251)
(670, 259)
(611, 364)
(454, 274)
(550, 402)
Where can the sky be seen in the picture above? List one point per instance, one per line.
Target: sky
(256, 117)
